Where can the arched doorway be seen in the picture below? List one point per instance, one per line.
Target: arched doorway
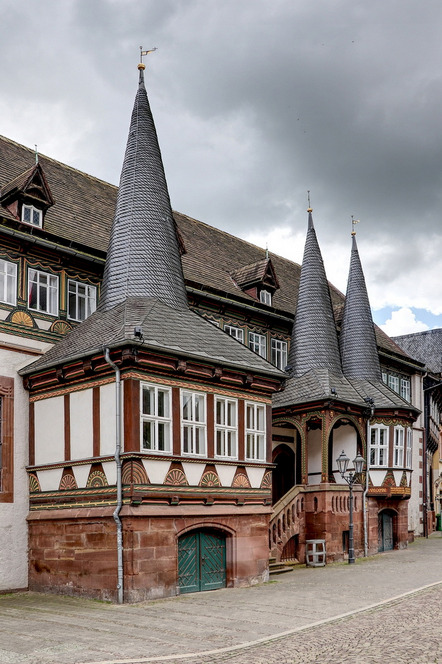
(386, 530)
(283, 477)
(201, 561)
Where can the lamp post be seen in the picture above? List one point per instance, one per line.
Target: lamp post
(351, 478)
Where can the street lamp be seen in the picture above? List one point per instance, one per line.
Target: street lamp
(351, 478)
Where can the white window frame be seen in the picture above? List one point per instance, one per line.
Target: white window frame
(258, 343)
(265, 297)
(193, 423)
(409, 449)
(255, 434)
(88, 299)
(35, 215)
(398, 447)
(385, 377)
(8, 282)
(379, 439)
(278, 350)
(158, 422)
(50, 287)
(405, 389)
(393, 383)
(226, 428)
(235, 332)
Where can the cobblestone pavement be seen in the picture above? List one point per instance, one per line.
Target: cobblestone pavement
(49, 629)
(406, 631)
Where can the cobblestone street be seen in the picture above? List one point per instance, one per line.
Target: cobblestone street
(406, 631)
(385, 608)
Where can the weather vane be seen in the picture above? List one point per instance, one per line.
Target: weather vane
(353, 224)
(150, 50)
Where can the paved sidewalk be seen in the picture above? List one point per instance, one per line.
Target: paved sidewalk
(44, 629)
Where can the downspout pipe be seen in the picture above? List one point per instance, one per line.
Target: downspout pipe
(367, 478)
(116, 515)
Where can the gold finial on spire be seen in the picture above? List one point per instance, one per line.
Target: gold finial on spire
(309, 209)
(353, 224)
(142, 53)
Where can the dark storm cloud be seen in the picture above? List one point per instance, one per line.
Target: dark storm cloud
(255, 103)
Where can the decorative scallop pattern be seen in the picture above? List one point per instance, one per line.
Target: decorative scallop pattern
(176, 477)
(96, 479)
(134, 473)
(22, 318)
(67, 483)
(267, 480)
(34, 485)
(210, 479)
(241, 480)
(61, 327)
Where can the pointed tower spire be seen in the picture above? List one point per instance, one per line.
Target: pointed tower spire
(143, 256)
(360, 358)
(314, 339)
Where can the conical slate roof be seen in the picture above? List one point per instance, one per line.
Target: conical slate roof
(143, 257)
(359, 353)
(314, 342)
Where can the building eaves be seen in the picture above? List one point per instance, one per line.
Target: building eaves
(181, 332)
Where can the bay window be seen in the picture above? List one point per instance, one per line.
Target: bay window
(378, 445)
(193, 423)
(156, 419)
(255, 432)
(226, 428)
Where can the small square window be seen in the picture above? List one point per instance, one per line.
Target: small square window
(265, 297)
(32, 215)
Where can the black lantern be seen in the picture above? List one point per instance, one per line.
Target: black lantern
(351, 478)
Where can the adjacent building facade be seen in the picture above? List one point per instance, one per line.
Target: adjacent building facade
(174, 399)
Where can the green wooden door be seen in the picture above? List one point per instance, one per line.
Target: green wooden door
(385, 529)
(201, 561)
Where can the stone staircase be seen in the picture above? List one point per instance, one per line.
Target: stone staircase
(276, 568)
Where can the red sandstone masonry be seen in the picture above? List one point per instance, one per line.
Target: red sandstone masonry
(72, 555)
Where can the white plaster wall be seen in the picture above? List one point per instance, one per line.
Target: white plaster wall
(107, 420)
(81, 424)
(314, 451)
(415, 502)
(49, 430)
(13, 526)
(344, 438)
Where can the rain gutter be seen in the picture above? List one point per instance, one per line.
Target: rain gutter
(116, 515)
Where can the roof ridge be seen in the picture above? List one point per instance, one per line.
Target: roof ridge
(58, 162)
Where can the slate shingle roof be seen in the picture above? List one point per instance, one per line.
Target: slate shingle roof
(165, 328)
(425, 347)
(359, 353)
(83, 214)
(143, 258)
(314, 342)
(316, 385)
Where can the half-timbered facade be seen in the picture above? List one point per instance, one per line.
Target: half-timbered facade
(144, 416)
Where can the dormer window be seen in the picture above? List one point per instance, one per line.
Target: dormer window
(32, 215)
(265, 297)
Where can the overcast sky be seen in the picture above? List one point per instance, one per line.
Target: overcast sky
(256, 102)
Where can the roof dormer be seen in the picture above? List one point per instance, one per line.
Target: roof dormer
(28, 196)
(257, 280)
